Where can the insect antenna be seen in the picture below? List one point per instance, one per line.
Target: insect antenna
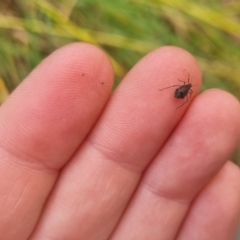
(169, 87)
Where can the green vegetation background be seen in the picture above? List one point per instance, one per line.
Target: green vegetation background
(127, 30)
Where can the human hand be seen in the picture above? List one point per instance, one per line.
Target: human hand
(80, 163)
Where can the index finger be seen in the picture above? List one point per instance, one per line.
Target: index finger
(41, 125)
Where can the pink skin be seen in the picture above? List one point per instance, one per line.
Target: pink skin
(78, 162)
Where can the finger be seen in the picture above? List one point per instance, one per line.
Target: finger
(193, 154)
(105, 171)
(42, 125)
(216, 210)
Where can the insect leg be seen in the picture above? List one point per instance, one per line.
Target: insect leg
(190, 92)
(188, 77)
(182, 81)
(183, 103)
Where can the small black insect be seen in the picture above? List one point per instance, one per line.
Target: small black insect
(182, 91)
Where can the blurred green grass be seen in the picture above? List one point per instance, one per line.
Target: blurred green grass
(126, 30)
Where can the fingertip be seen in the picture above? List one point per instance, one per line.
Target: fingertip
(81, 60)
(175, 59)
(230, 174)
(221, 107)
(69, 87)
(174, 66)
